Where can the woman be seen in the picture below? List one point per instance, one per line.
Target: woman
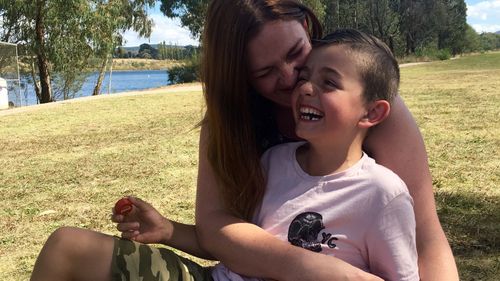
(250, 47)
(273, 56)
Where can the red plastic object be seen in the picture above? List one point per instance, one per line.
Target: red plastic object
(123, 206)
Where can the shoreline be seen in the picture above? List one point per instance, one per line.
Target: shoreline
(176, 88)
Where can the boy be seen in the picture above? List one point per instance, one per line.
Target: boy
(326, 195)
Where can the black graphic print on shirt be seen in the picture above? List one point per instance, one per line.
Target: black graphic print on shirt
(305, 229)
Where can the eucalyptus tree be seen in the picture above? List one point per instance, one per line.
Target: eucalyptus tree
(452, 25)
(60, 37)
(418, 23)
(52, 35)
(110, 18)
(381, 18)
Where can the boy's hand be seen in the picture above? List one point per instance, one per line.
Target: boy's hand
(143, 224)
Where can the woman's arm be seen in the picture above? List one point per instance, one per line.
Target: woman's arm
(247, 249)
(397, 144)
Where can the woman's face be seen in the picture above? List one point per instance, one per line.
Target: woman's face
(275, 57)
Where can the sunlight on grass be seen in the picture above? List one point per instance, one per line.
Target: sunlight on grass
(67, 165)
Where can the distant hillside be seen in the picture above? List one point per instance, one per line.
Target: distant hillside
(135, 49)
(498, 32)
(160, 51)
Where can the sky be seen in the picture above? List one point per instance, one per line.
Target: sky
(482, 15)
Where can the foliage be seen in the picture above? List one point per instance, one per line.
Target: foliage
(489, 41)
(318, 7)
(186, 73)
(443, 54)
(471, 40)
(404, 25)
(147, 52)
(190, 12)
(431, 53)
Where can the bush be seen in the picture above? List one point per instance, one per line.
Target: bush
(443, 54)
(189, 72)
(432, 53)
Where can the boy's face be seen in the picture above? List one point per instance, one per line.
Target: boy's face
(327, 100)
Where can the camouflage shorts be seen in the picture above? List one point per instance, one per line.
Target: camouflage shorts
(133, 261)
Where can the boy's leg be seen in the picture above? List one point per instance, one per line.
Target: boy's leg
(75, 254)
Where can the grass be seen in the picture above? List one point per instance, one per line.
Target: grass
(456, 104)
(66, 165)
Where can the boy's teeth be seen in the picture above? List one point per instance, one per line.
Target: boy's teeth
(310, 114)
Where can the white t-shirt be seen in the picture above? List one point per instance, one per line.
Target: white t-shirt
(363, 215)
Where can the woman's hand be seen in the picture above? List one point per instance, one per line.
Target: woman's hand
(143, 224)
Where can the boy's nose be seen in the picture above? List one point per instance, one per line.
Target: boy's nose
(307, 89)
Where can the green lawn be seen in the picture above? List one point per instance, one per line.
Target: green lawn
(66, 165)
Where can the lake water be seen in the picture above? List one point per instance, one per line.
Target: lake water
(121, 81)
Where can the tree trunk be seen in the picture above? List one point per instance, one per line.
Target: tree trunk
(43, 62)
(102, 71)
(36, 84)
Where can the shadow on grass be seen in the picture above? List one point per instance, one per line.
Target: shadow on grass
(472, 224)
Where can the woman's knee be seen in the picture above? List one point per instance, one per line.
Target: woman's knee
(75, 254)
(75, 243)
(63, 237)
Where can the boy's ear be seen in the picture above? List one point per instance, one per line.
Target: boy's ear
(376, 112)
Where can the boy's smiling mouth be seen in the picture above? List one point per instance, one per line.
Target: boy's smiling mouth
(309, 113)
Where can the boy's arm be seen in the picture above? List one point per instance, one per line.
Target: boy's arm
(397, 144)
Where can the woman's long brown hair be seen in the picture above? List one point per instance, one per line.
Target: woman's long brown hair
(232, 149)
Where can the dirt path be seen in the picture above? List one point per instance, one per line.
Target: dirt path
(412, 64)
(189, 87)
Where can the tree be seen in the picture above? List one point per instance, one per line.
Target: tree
(52, 32)
(417, 23)
(146, 51)
(471, 41)
(452, 25)
(111, 17)
(191, 13)
(380, 18)
(489, 41)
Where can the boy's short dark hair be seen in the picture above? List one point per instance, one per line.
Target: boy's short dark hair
(375, 62)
